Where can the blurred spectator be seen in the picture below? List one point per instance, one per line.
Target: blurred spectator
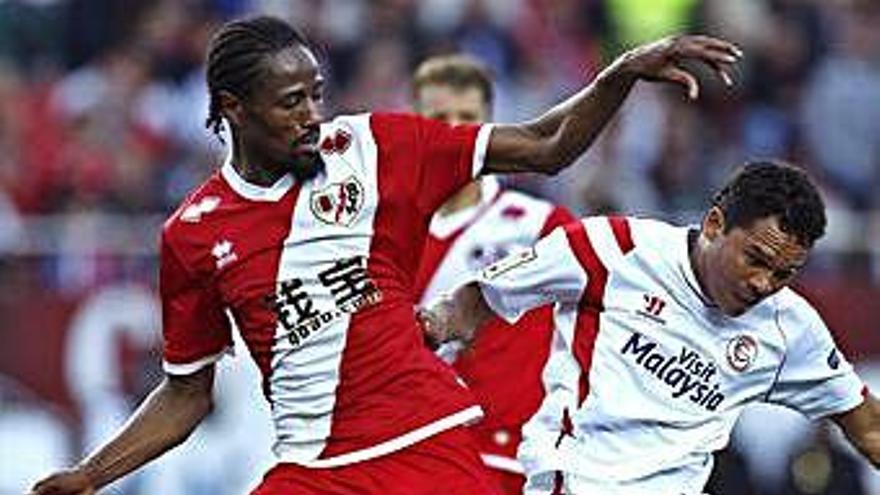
(33, 438)
(841, 108)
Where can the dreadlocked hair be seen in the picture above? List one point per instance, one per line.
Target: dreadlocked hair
(773, 189)
(235, 56)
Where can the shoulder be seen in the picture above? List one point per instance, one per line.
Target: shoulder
(517, 206)
(798, 320)
(193, 222)
(198, 203)
(803, 330)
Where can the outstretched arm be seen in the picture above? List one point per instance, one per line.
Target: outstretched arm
(862, 428)
(554, 140)
(164, 420)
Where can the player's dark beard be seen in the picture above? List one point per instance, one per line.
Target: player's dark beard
(306, 167)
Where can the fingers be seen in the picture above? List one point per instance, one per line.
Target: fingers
(718, 54)
(683, 77)
(711, 43)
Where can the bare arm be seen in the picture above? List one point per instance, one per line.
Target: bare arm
(862, 428)
(165, 419)
(554, 140)
(455, 316)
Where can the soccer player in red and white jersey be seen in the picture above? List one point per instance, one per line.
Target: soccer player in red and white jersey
(477, 226)
(309, 236)
(666, 333)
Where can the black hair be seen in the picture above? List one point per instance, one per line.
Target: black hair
(235, 56)
(764, 189)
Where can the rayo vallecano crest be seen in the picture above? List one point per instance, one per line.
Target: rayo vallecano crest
(338, 203)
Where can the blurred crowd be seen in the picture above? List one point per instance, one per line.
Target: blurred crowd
(102, 110)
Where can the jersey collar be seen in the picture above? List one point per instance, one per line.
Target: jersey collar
(251, 191)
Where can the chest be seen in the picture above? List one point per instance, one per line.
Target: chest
(679, 357)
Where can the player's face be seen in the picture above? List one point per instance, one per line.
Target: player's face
(746, 265)
(279, 122)
(452, 105)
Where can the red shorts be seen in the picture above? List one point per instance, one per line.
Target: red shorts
(444, 464)
(510, 483)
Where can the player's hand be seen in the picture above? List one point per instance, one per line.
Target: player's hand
(67, 482)
(433, 329)
(662, 60)
(438, 324)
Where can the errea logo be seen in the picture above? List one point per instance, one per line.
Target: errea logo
(223, 253)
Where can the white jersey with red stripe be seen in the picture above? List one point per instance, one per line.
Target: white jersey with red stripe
(503, 366)
(318, 277)
(649, 374)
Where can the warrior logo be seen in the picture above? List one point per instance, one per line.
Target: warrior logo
(741, 352)
(338, 203)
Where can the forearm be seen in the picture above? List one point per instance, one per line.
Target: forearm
(555, 139)
(577, 121)
(165, 419)
(862, 428)
(565, 131)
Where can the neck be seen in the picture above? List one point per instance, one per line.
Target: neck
(252, 168)
(697, 257)
(470, 195)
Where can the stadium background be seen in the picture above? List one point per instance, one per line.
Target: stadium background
(102, 104)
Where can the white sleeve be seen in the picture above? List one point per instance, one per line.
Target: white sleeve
(815, 377)
(548, 272)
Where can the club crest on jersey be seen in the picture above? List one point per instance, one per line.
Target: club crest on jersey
(339, 203)
(741, 352)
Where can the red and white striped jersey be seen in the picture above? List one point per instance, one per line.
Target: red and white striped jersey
(503, 366)
(650, 376)
(318, 277)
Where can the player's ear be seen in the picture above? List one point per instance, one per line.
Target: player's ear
(713, 223)
(231, 107)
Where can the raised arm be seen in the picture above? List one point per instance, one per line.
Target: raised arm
(554, 140)
(164, 420)
(862, 428)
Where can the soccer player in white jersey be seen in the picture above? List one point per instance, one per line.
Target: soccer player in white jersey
(664, 334)
(309, 236)
(479, 225)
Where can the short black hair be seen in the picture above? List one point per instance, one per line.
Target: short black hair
(772, 188)
(235, 55)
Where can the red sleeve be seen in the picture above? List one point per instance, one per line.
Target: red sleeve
(557, 218)
(437, 158)
(195, 328)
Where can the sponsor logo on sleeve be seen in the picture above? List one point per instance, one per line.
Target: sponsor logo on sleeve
(193, 213)
(834, 359)
(510, 262)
